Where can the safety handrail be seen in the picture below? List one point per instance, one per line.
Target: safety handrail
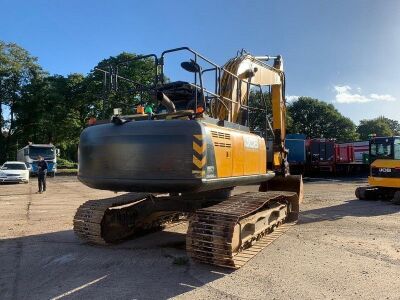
(215, 68)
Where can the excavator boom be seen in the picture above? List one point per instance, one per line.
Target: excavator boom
(235, 94)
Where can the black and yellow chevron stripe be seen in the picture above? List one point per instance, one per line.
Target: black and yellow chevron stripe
(199, 155)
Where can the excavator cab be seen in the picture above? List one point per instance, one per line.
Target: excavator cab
(384, 178)
(196, 147)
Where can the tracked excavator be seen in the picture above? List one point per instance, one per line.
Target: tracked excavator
(384, 178)
(186, 157)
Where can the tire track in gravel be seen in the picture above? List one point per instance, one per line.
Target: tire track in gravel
(28, 206)
(20, 249)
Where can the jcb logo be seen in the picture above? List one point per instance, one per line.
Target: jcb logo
(385, 170)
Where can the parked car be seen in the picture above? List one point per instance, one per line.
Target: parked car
(14, 171)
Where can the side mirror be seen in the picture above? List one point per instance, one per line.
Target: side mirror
(191, 66)
(58, 152)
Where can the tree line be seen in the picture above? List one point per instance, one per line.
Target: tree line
(42, 108)
(38, 107)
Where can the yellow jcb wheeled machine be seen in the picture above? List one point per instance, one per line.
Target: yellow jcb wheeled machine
(384, 178)
(188, 155)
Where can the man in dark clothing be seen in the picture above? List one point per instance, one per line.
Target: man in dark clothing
(42, 172)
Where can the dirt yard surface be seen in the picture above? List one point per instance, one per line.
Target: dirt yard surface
(342, 248)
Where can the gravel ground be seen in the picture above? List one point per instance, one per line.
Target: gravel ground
(342, 248)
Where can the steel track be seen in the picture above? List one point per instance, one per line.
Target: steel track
(211, 230)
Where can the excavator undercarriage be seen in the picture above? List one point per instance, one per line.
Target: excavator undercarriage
(225, 232)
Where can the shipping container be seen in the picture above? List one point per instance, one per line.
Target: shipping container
(296, 144)
(344, 153)
(297, 156)
(358, 163)
(360, 149)
(307, 156)
(322, 155)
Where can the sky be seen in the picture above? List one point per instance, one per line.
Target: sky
(344, 52)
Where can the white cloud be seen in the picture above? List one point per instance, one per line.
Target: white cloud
(342, 88)
(292, 98)
(344, 94)
(382, 97)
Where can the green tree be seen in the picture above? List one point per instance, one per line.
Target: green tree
(104, 93)
(76, 116)
(393, 124)
(17, 70)
(47, 113)
(318, 119)
(260, 113)
(56, 108)
(380, 126)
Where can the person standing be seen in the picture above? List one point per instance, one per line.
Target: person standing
(42, 172)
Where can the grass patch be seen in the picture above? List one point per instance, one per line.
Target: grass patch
(70, 172)
(66, 164)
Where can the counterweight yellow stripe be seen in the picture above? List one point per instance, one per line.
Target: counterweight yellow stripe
(199, 163)
(199, 148)
(199, 137)
(199, 152)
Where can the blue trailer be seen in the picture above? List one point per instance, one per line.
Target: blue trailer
(296, 144)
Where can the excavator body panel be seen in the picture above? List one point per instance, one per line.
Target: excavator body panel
(169, 156)
(385, 173)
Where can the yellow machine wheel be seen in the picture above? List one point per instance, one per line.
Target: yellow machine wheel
(360, 192)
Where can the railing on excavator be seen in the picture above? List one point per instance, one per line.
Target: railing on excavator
(210, 96)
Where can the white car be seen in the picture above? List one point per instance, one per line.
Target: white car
(14, 171)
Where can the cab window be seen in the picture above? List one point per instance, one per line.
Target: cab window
(396, 148)
(382, 148)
